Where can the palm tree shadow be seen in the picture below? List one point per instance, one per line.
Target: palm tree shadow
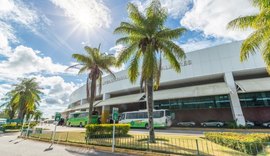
(49, 148)
(18, 141)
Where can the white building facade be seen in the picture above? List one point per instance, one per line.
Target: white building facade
(213, 84)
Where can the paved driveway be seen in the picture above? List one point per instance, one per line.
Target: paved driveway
(10, 145)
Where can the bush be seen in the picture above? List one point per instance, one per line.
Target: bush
(18, 126)
(105, 130)
(247, 143)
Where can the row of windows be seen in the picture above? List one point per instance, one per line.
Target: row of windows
(144, 115)
(259, 99)
(221, 101)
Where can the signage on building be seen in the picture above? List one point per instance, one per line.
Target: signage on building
(165, 67)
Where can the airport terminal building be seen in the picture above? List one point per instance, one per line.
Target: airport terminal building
(213, 85)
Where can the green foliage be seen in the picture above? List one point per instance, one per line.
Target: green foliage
(95, 64)
(148, 40)
(18, 126)
(25, 97)
(259, 39)
(247, 143)
(105, 130)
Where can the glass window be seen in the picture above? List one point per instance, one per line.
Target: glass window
(132, 115)
(122, 116)
(258, 99)
(158, 114)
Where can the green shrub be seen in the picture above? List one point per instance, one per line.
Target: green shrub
(105, 130)
(18, 126)
(247, 143)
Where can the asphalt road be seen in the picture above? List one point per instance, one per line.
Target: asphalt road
(10, 145)
(170, 131)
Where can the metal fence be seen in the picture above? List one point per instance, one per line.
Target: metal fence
(171, 145)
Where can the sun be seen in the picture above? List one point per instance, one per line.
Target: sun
(85, 21)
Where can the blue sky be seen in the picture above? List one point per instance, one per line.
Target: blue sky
(37, 38)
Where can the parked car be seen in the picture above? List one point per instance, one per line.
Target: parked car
(212, 123)
(186, 123)
(250, 124)
(266, 124)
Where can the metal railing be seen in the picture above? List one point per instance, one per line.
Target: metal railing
(171, 145)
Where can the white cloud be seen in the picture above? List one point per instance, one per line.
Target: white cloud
(24, 60)
(6, 35)
(176, 8)
(57, 92)
(89, 13)
(18, 12)
(212, 17)
(117, 49)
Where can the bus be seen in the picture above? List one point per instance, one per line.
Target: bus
(81, 118)
(139, 119)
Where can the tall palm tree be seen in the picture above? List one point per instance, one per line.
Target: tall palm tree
(27, 95)
(95, 63)
(259, 39)
(147, 39)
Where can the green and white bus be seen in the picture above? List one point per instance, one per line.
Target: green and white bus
(81, 118)
(139, 119)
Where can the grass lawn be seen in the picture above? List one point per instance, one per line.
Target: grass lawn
(167, 144)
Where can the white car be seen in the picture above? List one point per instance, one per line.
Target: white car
(186, 123)
(250, 124)
(266, 124)
(212, 123)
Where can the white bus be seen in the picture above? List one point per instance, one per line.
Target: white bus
(162, 118)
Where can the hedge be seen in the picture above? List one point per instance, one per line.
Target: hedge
(247, 143)
(18, 126)
(105, 130)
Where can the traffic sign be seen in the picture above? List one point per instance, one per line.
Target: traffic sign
(115, 113)
(57, 116)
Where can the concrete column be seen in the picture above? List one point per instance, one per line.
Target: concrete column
(105, 109)
(235, 102)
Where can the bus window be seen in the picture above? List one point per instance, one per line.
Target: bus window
(122, 116)
(132, 116)
(158, 114)
(168, 113)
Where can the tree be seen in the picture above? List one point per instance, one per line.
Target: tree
(147, 39)
(26, 95)
(10, 108)
(259, 39)
(95, 63)
(37, 115)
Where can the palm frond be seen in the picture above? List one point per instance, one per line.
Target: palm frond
(252, 44)
(242, 23)
(124, 55)
(171, 34)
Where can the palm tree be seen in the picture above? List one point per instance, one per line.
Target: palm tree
(95, 63)
(37, 115)
(10, 108)
(259, 39)
(147, 39)
(27, 95)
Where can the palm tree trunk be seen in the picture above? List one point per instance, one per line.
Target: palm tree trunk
(21, 112)
(150, 105)
(91, 99)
